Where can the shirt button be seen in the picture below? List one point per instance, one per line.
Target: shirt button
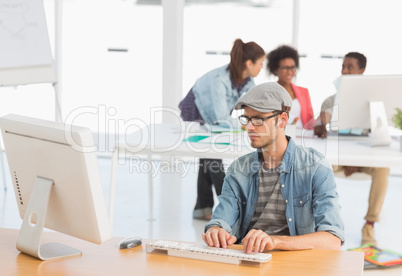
(283, 186)
(286, 201)
(290, 219)
(301, 202)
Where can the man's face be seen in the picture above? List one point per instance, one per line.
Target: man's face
(261, 136)
(351, 66)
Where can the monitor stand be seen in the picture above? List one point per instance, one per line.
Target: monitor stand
(29, 237)
(379, 125)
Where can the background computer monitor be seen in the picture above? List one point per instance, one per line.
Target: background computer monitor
(355, 92)
(56, 182)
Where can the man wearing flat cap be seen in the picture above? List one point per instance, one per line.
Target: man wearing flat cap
(282, 196)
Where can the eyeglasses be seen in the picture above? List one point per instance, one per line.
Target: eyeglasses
(287, 68)
(254, 121)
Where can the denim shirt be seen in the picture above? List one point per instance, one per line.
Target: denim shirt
(215, 96)
(307, 186)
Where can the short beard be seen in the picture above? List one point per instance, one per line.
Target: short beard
(268, 143)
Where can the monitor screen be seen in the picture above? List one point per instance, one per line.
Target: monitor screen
(368, 102)
(355, 92)
(56, 180)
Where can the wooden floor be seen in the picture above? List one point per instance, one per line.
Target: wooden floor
(174, 199)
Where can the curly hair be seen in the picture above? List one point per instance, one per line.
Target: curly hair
(282, 52)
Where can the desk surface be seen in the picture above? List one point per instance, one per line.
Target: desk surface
(355, 152)
(168, 139)
(107, 259)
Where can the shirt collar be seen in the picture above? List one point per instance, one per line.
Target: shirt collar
(287, 160)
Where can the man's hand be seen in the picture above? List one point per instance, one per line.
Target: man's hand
(218, 237)
(349, 170)
(259, 240)
(320, 131)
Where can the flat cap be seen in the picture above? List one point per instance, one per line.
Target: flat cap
(266, 97)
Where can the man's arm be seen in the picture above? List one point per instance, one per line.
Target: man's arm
(227, 215)
(325, 117)
(258, 241)
(321, 129)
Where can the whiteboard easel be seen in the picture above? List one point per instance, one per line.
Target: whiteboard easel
(25, 54)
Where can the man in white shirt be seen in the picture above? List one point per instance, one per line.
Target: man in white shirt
(355, 63)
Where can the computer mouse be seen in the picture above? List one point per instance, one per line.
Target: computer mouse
(130, 242)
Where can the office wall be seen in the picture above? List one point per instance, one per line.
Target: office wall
(102, 88)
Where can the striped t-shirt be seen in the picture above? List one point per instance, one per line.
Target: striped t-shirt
(270, 215)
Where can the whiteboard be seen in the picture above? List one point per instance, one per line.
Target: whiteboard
(25, 54)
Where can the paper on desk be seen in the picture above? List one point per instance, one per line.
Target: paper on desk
(218, 128)
(217, 138)
(225, 138)
(195, 138)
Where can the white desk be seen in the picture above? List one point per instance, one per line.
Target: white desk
(167, 140)
(355, 151)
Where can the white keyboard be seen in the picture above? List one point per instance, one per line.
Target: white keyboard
(206, 253)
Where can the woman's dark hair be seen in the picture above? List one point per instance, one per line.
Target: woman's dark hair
(282, 52)
(240, 53)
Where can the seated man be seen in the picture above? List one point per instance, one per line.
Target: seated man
(282, 196)
(355, 63)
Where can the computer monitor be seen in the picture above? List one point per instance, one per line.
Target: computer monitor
(368, 101)
(56, 183)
